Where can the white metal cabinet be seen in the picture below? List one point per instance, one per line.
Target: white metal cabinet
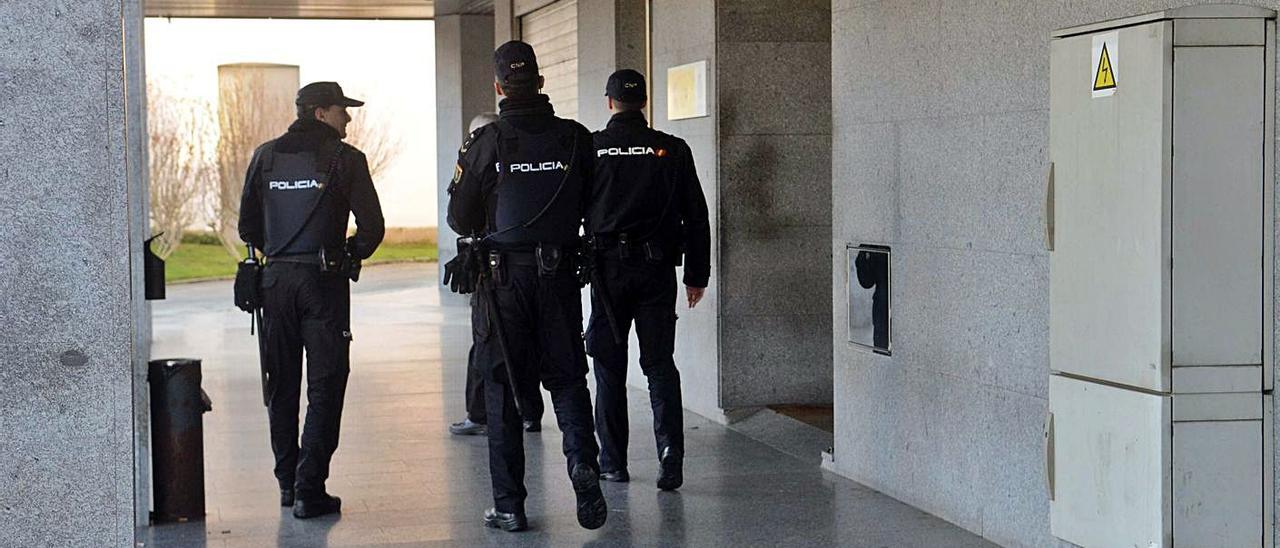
(1109, 292)
(1160, 300)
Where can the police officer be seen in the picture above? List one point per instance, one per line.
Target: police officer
(298, 194)
(473, 423)
(647, 208)
(521, 184)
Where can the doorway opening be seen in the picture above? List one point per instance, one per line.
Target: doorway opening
(216, 88)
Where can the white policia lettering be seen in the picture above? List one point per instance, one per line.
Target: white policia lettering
(618, 151)
(531, 168)
(293, 185)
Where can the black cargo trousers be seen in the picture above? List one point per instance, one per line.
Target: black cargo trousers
(541, 319)
(305, 309)
(533, 407)
(645, 293)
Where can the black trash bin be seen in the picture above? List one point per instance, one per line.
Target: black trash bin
(177, 439)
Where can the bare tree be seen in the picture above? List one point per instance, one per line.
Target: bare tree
(255, 104)
(180, 134)
(372, 136)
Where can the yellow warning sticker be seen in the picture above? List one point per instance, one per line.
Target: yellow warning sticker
(1105, 58)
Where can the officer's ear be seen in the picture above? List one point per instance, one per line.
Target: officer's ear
(497, 88)
(541, 81)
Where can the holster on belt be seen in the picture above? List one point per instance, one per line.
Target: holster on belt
(549, 257)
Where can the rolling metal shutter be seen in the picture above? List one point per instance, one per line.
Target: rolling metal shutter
(552, 30)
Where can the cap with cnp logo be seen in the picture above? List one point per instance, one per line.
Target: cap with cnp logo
(515, 63)
(626, 85)
(324, 94)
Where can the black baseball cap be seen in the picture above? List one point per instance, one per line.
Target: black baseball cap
(324, 94)
(515, 63)
(627, 86)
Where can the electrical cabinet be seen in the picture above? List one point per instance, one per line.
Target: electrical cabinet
(1160, 230)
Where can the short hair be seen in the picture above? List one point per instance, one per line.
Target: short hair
(481, 120)
(308, 112)
(628, 106)
(522, 90)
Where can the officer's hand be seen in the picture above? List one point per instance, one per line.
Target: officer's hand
(695, 294)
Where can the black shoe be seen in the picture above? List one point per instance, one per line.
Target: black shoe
(532, 426)
(507, 522)
(466, 428)
(313, 508)
(592, 510)
(670, 470)
(286, 497)
(616, 476)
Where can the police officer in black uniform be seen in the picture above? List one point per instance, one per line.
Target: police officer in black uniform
(521, 185)
(647, 208)
(298, 194)
(473, 423)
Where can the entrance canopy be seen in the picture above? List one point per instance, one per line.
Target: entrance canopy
(315, 9)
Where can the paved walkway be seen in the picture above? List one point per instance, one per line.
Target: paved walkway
(405, 481)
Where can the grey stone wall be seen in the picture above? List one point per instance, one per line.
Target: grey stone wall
(773, 76)
(610, 37)
(139, 173)
(684, 32)
(940, 142)
(67, 346)
(464, 88)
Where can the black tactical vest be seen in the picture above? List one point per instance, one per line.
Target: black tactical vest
(293, 187)
(536, 171)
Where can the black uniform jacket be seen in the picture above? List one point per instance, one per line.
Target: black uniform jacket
(646, 187)
(472, 196)
(351, 188)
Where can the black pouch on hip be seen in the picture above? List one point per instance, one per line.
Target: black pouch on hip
(497, 268)
(248, 285)
(549, 257)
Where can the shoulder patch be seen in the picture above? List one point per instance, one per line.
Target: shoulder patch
(472, 138)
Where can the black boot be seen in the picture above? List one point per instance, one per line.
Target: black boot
(616, 476)
(311, 508)
(507, 522)
(670, 470)
(286, 497)
(592, 511)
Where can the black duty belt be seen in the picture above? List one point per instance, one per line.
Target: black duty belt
(296, 258)
(611, 247)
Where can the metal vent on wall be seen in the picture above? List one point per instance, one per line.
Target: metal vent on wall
(868, 288)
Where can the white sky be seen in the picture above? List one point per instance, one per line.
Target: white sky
(388, 64)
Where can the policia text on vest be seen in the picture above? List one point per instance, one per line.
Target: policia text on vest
(300, 191)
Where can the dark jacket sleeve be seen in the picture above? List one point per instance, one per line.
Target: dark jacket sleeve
(697, 226)
(251, 225)
(370, 226)
(467, 190)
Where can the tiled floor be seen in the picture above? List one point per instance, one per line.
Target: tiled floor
(405, 481)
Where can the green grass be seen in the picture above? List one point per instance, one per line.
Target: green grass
(192, 261)
(200, 261)
(404, 252)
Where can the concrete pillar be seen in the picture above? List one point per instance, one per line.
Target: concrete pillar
(138, 160)
(505, 25)
(611, 36)
(67, 296)
(773, 75)
(464, 88)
